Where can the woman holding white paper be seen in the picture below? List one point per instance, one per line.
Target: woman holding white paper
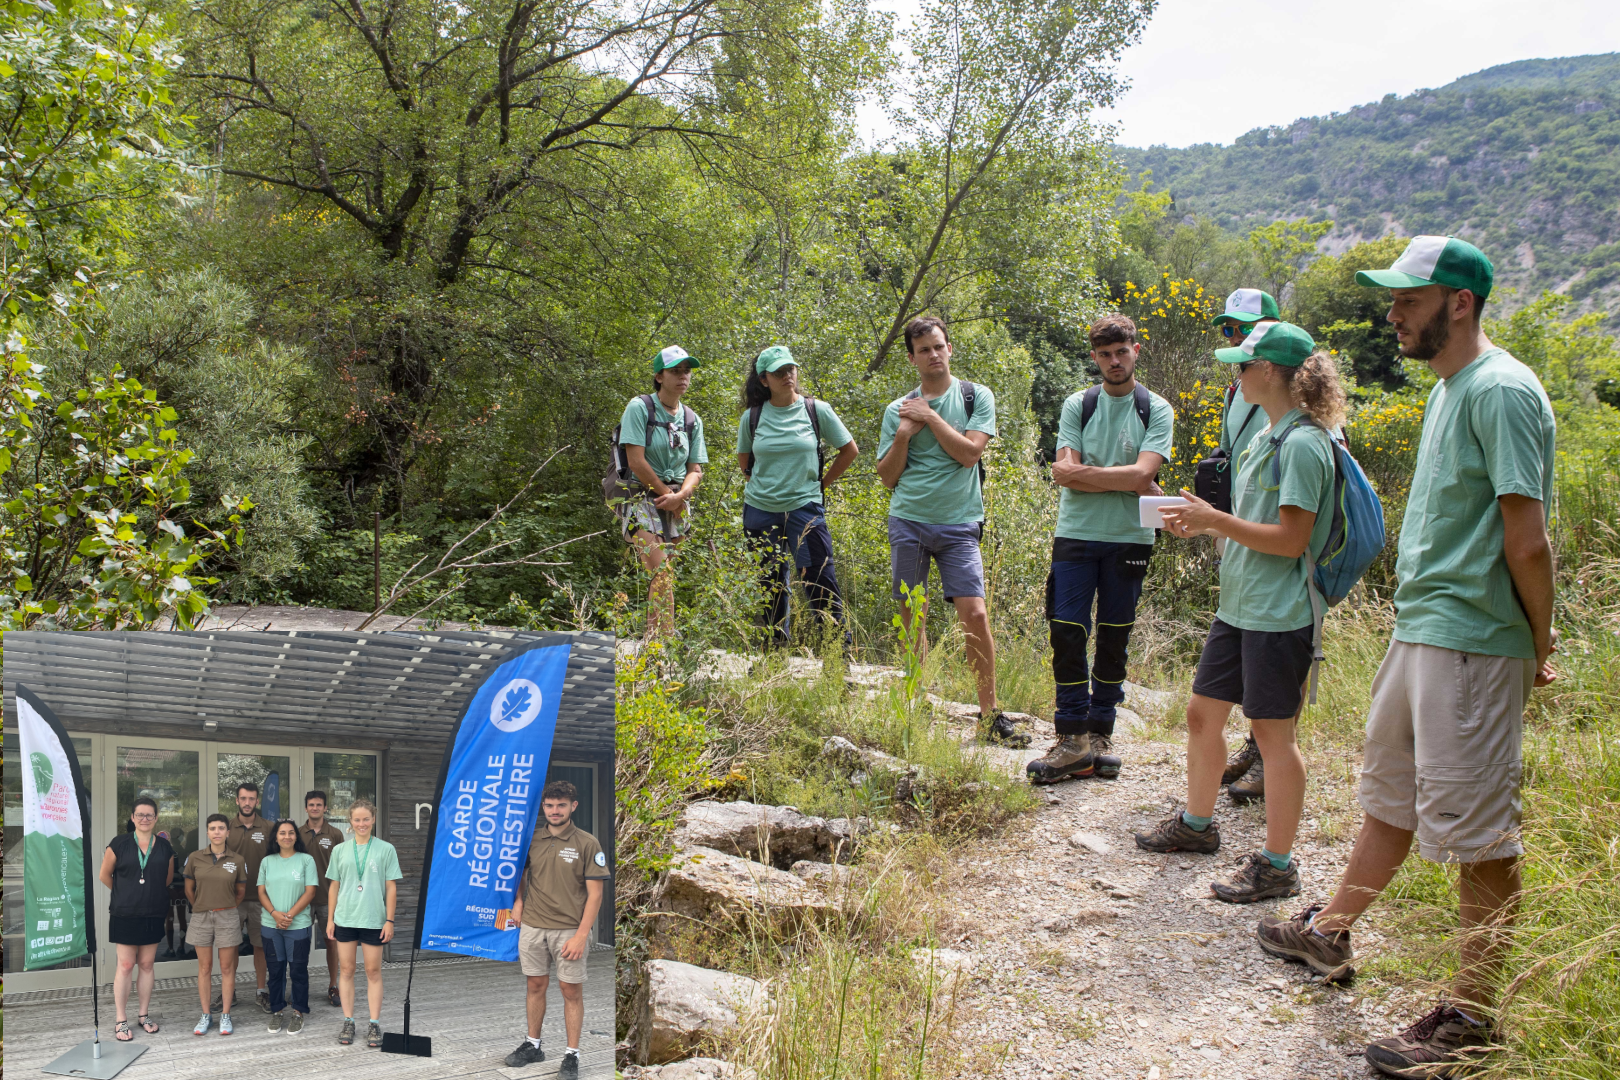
(1259, 650)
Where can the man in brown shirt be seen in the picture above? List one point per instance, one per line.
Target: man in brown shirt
(251, 836)
(320, 837)
(556, 908)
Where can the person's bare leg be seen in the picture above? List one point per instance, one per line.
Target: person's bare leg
(1380, 850)
(374, 981)
(573, 995)
(1206, 752)
(331, 964)
(147, 977)
(346, 975)
(660, 591)
(535, 1004)
(1489, 901)
(227, 978)
(205, 976)
(126, 969)
(1285, 781)
(981, 648)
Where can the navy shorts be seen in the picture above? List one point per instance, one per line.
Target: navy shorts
(1262, 670)
(915, 545)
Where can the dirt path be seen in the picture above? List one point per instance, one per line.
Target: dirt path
(1069, 936)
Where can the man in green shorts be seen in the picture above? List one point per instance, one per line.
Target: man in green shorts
(251, 837)
(1473, 634)
(556, 910)
(320, 837)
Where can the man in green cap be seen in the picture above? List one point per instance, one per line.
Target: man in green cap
(1473, 634)
(1241, 420)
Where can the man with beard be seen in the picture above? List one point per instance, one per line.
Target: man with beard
(1112, 439)
(1473, 633)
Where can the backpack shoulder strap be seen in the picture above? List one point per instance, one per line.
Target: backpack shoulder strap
(917, 393)
(1088, 406)
(647, 403)
(1144, 405)
(1231, 393)
(815, 420)
(688, 418)
(753, 421)
(969, 397)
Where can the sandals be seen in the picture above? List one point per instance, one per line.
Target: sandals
(148, 1025)
(121, 1031)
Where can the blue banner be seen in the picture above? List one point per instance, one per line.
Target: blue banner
(272, 797)
(488, 801)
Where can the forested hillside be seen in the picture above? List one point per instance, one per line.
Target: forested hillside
(1523, 159)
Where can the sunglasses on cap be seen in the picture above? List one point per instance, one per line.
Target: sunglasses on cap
(1233, 330)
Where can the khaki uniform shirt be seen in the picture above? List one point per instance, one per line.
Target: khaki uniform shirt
(320, 845)
(554, 882)
(216, 877)
(254, 841)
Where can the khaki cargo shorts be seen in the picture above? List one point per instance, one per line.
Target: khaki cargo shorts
(252, 924)
(538, 949)
(220, 929)
(1443, 757)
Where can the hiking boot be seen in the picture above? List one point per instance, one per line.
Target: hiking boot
(1256, 879)
(346, 1033)
(277, 1022)
(1239, 763)
(1003, 732)
(1173, 834)
(1252, 786)
(1070, 757)
(1103, 757)
(374, 1034)
(1444, 1043)
(295, 1023)
(332, 997)
(262, 1000)
(526, 1054)
(568, 1069)
(1328, 955)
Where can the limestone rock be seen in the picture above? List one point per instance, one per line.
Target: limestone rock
(947, 966)
(828, 875)
(704, 882)
(1148, 701)
(698, 1068)
(680, 1005)
(1091, 842)
(753, 830)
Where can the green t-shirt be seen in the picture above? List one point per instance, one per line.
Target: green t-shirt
(1270, 592)
(668, 461)
(1113, 437)
(363, 908)
(935, 488)
(1488, 431)
(1235, 434)
(784, 449)
(285, 880)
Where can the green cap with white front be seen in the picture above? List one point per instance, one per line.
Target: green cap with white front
(1436, 260)
(1278, 342)
(1249, 306)
(673, 356)
(777, 356)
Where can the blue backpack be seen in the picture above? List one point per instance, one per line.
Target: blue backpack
(1354, 539)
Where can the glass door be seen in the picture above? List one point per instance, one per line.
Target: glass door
(267, 767)
(170, 772)
(344, 777)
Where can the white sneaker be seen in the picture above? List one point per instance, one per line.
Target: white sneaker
(225, 1027)
(204, 1024)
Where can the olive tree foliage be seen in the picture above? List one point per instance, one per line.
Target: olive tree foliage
(996, 106)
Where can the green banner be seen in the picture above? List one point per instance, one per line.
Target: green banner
(54, 928)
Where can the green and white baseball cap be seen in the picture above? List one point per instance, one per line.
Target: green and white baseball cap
(673, 356)
(1248, 306)
(1279, 342)
(773, 358)
(1436, 260)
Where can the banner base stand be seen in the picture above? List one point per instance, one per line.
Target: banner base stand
(415, 1045)
(83, 1061)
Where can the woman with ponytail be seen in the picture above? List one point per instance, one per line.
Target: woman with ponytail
(1259, 650)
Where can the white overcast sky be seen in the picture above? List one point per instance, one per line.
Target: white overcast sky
(1209, 70)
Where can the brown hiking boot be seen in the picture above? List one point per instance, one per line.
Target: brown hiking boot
(1070, 757)
(1293, 939)
(1445, 1043)
(1103, 757)
(1173, 834)
(1256, 879)
(1253, 784)
(1239, 763)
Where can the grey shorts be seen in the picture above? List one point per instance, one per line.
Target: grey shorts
(641, 513)
(221, 929)
(252, 922)
(915, 545)
(538, 949)
(1443, 756)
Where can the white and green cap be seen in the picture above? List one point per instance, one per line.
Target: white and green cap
(777, 356)
(1436, 260)
(1249, 306)
(1279, 342)
(673, 356)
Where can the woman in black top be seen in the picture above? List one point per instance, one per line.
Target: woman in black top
(137, 867)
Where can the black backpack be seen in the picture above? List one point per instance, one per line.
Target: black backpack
(1212, 478)
(969, 399)
(1144, 411)
(815, 426)
(619, 483)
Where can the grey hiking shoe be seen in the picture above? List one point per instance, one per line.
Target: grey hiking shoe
(1173, 834)
(1328, 955)
(295, 1023)
(1256, 879)
(1003, 732)
(526, 1054)
(1445, 1043)
(1070, 757)
(1103, 758)
(1239, 763)
(346, 1033)
(1251, 786)
(374, 1034)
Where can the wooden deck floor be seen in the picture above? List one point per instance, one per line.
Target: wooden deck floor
(473, 1011)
